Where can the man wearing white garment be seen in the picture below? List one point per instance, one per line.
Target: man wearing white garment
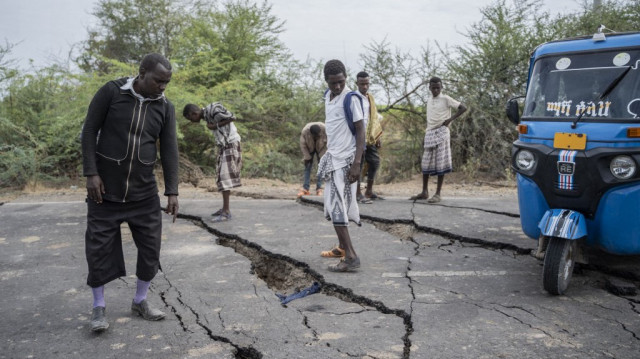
(340, 165)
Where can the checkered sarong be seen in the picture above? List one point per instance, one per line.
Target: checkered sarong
(436, 159)
(229, 166)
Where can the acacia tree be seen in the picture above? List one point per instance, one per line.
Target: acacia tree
(488, 71)
(398, 84)
(232, 54)
(230, 42)
(7, 70)
(129, 29)
(616, 15)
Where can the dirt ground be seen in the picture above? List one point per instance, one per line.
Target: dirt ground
(454, 186)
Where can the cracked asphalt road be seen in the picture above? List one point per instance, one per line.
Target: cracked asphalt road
(455, 280)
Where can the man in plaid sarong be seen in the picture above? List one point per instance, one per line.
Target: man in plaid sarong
(436, 159)
(220, 122)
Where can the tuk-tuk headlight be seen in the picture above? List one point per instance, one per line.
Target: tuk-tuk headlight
(622, 167)
(525, 160)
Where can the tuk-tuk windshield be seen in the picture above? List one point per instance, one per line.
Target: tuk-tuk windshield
(562, 87)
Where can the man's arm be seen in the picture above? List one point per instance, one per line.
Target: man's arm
(461, 109)
(306, 156)
(169, 158)
(214, 126)
(358, 122)
(354, 171)
(96, 114)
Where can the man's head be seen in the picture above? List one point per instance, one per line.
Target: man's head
(335, 75)
(192, 112)
(315, 131)
(435, 86)
(153, 76)
(362, 81)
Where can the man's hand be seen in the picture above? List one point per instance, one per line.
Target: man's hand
(307, 162)
(447, 122)
(172, 206)
(378, 143)
(354, 172)
(95, 188)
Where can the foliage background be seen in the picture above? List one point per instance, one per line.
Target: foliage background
(230, 52)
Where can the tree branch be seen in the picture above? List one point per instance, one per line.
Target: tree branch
(401, 109)
(402, 98)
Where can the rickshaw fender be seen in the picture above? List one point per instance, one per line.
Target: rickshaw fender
(532, 206)
(563, 223)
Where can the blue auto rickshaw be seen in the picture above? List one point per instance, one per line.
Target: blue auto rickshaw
(578, 150)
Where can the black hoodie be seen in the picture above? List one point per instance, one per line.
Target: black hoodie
(119, 140)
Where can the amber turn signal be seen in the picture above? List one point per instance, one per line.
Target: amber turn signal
(633, 132)
(522, 129)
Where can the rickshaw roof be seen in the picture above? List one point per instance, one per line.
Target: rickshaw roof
(586, 43)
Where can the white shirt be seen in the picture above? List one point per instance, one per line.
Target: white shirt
(439, 110)
(341, 143)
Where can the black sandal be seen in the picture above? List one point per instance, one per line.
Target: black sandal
(345, 265)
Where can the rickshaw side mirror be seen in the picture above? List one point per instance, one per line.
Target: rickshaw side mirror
(513, 111)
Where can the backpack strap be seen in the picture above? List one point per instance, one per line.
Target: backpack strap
(347, 109)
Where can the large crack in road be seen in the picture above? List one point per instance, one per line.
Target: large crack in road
(436, 231)
(281, 274)
(404, 230)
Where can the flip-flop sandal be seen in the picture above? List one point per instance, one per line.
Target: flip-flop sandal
(217, 213)
(345, 265)
(434, 199)
(418, 197)
(375, 197)
(365, 201)
(222, 217)
(335, 252)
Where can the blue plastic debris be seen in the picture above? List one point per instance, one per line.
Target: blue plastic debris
(314, 288)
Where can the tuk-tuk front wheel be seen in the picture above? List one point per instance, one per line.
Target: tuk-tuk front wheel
(558, 265)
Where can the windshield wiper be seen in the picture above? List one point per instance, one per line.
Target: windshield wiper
(604, 94)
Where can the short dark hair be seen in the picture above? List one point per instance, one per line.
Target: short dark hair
(190, 108)
(362, 75)
(334, 67)
(150, 61)
(315, 130)
(435, 80)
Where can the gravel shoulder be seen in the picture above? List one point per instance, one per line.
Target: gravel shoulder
(454, 186)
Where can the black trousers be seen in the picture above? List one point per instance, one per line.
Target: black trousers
(372, 158)
(103, 240)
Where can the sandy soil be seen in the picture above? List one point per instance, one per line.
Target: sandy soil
(454, 186)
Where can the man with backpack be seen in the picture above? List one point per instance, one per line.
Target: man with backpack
(340, 165)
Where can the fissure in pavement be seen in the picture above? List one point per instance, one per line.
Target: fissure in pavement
(285, 274)
(432, 230)
(405, 229)
(240, 352)
(508, 214)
